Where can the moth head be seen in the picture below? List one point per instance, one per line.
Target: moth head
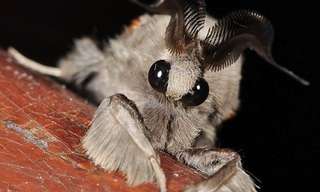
(180, 76)
(180, 79)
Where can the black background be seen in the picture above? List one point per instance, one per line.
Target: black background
(273, 129)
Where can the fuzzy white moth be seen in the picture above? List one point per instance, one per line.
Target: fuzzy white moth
(166, 85)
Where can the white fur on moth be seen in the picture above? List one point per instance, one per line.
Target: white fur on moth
(166, 84)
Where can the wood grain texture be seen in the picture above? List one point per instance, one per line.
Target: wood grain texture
(41, 126)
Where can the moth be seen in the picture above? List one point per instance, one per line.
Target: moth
(166, 83)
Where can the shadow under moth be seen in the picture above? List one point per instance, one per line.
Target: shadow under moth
(166, 84)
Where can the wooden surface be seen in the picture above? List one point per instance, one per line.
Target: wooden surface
(41, 126)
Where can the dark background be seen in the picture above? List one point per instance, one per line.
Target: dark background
(273, 130)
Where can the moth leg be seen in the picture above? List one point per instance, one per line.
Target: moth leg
(33, 65)
(75, 67)
(223, 168)
(117, 140)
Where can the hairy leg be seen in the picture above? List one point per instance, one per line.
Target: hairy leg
(76, 66)
(117, 140)
(223, 168)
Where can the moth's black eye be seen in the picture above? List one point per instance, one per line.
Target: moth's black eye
(158, 75)
(198, 95)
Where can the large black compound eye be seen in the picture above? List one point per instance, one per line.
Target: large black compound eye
(158, 75)
(198, 94)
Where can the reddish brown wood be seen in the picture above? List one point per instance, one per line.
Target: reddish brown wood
(41, 125)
